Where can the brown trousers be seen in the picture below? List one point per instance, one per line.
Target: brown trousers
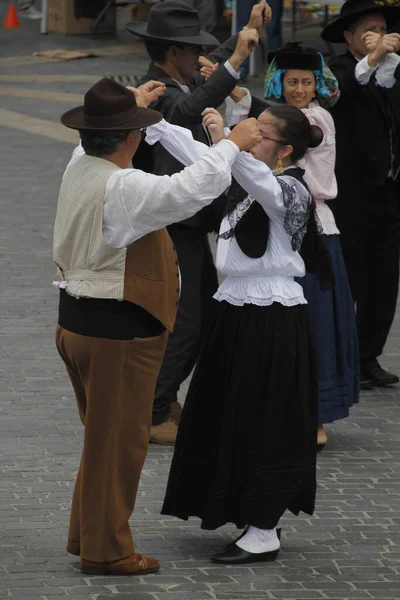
(114, 383)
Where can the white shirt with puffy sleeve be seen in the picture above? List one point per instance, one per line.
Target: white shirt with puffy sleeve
(270, 278)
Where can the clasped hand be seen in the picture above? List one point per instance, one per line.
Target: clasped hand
(379, 46)
(148, 92)
(245, 135)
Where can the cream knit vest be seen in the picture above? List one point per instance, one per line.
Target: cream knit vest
(146, 273)
(91, 267)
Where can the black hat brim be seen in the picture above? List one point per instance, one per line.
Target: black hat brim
(334, 32)
(202, 39)
(73, 119)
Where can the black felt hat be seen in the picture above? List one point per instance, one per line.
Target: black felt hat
(109, 106)
(173, 21)
(352, 9)
(294, 56)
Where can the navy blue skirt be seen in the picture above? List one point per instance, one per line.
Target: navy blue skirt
(333, 319)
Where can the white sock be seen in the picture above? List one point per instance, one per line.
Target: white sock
(257, 540)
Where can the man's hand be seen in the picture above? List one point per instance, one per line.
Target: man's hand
(386, 44)
(247, 40)
(207, 68)
(261, 14)
(246, 134)
(371, 40)
(148, 92)
(214, 123)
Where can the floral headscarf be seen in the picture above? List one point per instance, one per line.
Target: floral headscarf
(327, 86)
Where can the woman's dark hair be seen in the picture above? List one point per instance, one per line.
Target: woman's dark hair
(295, 129)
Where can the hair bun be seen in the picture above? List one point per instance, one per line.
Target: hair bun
(316, 136)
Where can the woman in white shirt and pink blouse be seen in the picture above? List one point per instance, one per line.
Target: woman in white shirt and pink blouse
(299, 77)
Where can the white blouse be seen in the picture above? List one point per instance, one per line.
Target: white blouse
(270, 278)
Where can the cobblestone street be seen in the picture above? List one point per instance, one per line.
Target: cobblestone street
(350, 548)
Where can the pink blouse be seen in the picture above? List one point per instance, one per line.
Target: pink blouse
(319, 166)
(318, 163)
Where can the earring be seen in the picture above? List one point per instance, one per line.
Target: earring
(279, 167)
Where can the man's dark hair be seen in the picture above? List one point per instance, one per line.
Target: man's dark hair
(102, 143)
(157, 51)
(352, 26)
(295, 130)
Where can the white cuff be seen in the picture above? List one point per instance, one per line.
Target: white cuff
(385, 73)
(231, 70)
(154, 133)
(364, 71)
(237, 111)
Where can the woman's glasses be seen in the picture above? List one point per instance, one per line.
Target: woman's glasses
(266, 137)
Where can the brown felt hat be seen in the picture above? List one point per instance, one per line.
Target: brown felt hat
(109, 106)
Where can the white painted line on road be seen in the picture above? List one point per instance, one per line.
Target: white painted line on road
(41, 95)
(50, 129)
(50, 78)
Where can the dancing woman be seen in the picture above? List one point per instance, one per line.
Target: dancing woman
(299, 77)
(256, 373)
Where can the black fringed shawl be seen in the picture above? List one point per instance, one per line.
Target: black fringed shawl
(252, 233)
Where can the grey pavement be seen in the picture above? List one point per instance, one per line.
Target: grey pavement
(350, 548)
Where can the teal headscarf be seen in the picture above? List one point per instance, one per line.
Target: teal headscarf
(327, 86)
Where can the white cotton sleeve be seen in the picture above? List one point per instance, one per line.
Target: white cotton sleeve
(385, 73)
(237, 111)
(178, 141)
(364, 71)
(258, 180)
(137, 203)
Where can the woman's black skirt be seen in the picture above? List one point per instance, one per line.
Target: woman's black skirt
(246, 446)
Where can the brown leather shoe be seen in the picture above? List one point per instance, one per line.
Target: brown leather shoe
(176, 411)
(165, 433)
(73, 548)
(134, 564)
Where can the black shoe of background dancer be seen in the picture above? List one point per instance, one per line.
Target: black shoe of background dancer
(366, 383)
(379, 377)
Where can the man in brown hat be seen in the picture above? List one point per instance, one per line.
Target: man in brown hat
(367, 209)
(174, 42)
(118, 276)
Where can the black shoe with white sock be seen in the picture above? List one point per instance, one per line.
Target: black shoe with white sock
(254, 545)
